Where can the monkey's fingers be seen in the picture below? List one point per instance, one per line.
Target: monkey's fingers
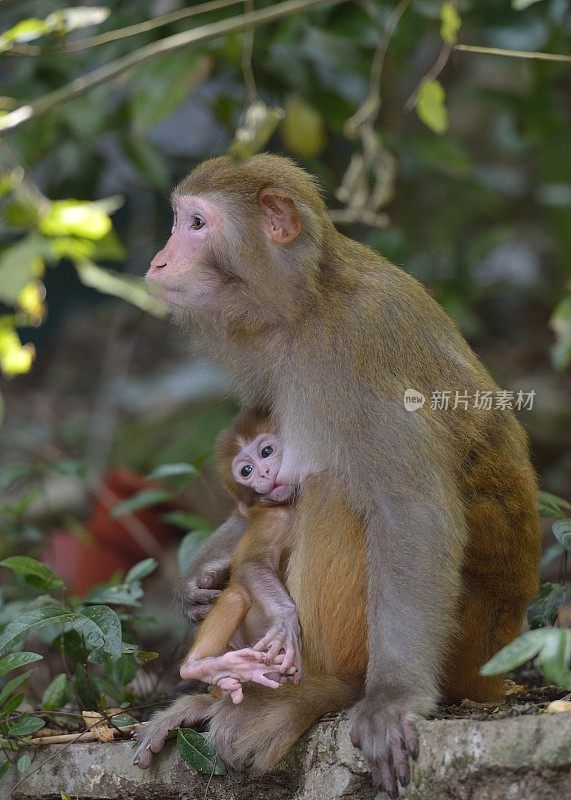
(274, 649)
(233, 687)
(264, 680)
(152, 739)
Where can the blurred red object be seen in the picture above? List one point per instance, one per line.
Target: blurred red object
(114, 544)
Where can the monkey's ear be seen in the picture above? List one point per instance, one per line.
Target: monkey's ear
(282, 216)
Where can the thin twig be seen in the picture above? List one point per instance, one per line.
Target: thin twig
(369, 109)
(431, 75)
(86, 736)
(247, 53)
(146, 26)
(434, 71)
(107, 72)
(499, 51)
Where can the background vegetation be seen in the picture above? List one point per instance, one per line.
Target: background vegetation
(436, 144)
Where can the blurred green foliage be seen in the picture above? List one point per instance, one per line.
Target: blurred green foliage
(491, 165)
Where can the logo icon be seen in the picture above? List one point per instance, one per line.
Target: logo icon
(413, 400)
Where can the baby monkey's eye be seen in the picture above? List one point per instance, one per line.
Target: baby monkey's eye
(197, 223)
(267, 451)
(246, 471)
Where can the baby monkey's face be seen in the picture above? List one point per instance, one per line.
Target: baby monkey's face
(257, 466)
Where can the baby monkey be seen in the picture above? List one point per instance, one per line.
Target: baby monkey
(255, 606)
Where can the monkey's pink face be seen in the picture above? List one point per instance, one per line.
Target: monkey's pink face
(182, 271)
(257, 466)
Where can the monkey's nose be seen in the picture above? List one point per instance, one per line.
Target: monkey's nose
(159, 261)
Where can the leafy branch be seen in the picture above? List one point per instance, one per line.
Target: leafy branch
(170, 44)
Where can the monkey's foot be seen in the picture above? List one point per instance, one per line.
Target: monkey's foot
(282, 644)
(386, 733)
(151, 735)
(230, 670)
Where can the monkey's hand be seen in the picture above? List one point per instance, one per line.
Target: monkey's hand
(203, 586)
(282, 646)
(230, 671)
(386, 733)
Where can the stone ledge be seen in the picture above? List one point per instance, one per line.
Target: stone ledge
(522, 758)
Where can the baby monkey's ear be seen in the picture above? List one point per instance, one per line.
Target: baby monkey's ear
(282, 217)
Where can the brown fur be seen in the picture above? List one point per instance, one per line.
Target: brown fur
(439, 507)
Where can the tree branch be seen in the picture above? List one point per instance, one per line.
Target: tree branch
(147, 25)
(205, 33)
(499, 51)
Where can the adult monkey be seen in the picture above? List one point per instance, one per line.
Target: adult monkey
(330, 335)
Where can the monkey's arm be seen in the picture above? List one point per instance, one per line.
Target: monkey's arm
(264, 553)
(415, 535)
(210, 570)
(270, 595)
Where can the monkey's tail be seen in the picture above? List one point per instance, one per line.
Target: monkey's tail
(259, 732)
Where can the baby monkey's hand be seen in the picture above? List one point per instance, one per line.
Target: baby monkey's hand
(230, 671)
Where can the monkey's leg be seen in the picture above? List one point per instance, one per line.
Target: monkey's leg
(220, 624)
(487, 622)
(260, 731)
(186, 711)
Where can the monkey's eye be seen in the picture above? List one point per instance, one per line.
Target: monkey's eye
(267, 451)
(196, 223)
(246, 470)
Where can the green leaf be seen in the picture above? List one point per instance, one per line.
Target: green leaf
(29, 622)
(86, 693)
(12, 685)
(23, 763)
(33, 572)
(15, 660)
(524, 648)
(87, 220)
(552, 506)
(555, 655)
(15, 358)
(197, 752)
(188, 522)
(450, 22)
(122, 719)
(562, 532)
(101, 628)
(145, 499)
(72, 645)
(56, 694)
(12, 704)
(553, 552)
(4, 767)
(25, 725)
(122, 671)
(431, 107)
(25, 31)
(147, 655)
(188, 549)
(544, 609)
(157, 95)
(148, 161)
(560, 323)
(113, 596)
(141, 570)
(127, 287)
(19, 264)
(170, 470)
(71, 19)
(520, 5)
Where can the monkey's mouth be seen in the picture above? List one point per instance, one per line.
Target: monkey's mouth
(280, 493)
